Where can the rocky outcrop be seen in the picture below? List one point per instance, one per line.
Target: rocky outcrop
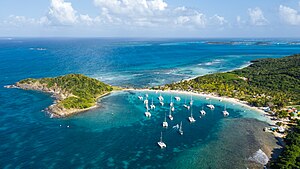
(56, 91)
(73, 93)
(56, 110)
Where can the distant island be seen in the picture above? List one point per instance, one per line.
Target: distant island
(73, 92)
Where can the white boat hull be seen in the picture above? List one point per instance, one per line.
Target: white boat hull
(161, 144)
(165, 124)
(191, 119)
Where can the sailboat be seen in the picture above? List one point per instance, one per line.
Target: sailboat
(180, 129)
(186, 106)
(170, 115)
(210, 106)
(191, 118)
(161, 144)
(202, 112)
(171, 102)
(160, 98)
(191, 102)
(146, 101)
(173, 108)
(152, 106)
(177, 98)
(147, 113)
(165, 123)
(225, 112)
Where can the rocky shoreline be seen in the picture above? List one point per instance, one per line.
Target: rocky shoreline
(54, 110)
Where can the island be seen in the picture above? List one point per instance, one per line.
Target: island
(73, 93)
(273, 84)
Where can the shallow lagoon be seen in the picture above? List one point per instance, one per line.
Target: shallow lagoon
(118, 135)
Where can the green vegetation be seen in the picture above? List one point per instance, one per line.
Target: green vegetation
(290, 157)
(82, 90)
(266, 82)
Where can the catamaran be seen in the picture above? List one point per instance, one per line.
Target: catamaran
(202, 112)
(225, 112)
(152, 106)
(161, 144)
(161, 103)
(177, 98)
(170, 115)
(160, 98)
(140, 97)
(191, 118)
(165, 123)
(146, 101)
(210, 106)
(180, 129)
(147, 113)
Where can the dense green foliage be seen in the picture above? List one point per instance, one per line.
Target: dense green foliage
(290, 157)
(84, 89)
(266, 82)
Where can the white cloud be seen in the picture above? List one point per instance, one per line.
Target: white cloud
(62, 13)
(125, 14)
(257, 17)
(238, 19)
(132, 8)
(289, 15)
(194, 18)
(218, 20)
(197, 19)
(16, 20)
(86, 19)
(152, 13)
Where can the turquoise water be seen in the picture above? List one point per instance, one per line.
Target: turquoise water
(117, 135)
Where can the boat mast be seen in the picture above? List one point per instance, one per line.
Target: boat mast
(180, 128)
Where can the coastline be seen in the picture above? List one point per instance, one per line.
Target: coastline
(54, 110)
(194, 77)
(70, 112)
(212, 96)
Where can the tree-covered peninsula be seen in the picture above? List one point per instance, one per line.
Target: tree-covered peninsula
(73, 92)
(266, 82)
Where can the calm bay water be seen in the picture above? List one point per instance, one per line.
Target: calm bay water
(117, 135)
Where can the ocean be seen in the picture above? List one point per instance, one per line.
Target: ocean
(117, 134)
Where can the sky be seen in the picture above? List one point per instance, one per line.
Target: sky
(150, 18)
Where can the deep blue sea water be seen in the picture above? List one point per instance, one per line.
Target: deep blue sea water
(117, 135)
